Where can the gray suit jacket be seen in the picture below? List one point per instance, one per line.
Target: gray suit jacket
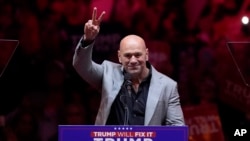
(163, 105)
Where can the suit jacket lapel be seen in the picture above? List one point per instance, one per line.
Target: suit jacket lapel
(116, 83)
(153, 96)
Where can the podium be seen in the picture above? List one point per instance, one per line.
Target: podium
(122, 133)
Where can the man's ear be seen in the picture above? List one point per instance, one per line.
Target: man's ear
(147, 54)
(119, 56)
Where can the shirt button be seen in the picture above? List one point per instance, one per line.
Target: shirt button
(136, 100)
(134, 115)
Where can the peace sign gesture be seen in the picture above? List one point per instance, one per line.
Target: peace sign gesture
(92, 27)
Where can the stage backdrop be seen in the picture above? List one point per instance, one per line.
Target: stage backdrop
(203, 122)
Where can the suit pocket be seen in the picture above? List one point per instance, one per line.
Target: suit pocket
(160, 112)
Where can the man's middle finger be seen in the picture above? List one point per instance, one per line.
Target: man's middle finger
(101, 17)
(94, 16)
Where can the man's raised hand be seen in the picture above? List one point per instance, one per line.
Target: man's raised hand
(92, 27)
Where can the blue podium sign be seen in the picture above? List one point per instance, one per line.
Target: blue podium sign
(122, 133)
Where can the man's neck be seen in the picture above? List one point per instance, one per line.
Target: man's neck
(139, 79)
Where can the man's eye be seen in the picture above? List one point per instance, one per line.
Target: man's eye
(137, 55)
(128, 55)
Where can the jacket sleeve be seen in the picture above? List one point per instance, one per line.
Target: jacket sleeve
(175, 114)
(86, 67)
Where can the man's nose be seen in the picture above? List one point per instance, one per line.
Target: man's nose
(133, 59)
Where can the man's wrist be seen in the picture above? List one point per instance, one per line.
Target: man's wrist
(85, 42)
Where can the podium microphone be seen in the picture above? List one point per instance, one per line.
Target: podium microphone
(126, 96)
(128, 83)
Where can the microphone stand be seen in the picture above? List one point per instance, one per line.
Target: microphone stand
(123, 99)
(128, 87)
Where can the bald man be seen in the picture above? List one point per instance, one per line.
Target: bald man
(133, 91)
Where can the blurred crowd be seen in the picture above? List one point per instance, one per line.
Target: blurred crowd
(43, 90)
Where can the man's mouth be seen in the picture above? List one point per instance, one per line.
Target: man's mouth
(133, 67)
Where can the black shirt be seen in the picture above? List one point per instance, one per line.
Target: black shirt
(130, 106)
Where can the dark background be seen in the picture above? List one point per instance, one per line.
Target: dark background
(186, 40)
